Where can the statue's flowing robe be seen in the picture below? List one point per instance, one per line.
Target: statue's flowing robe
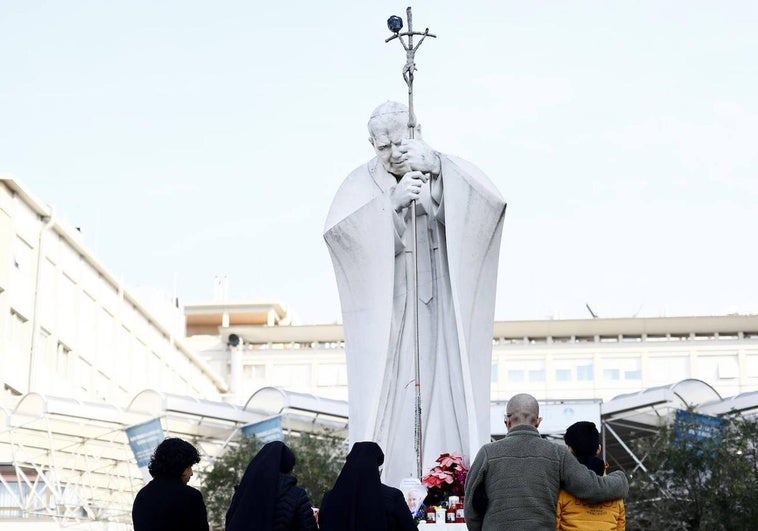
(459, 223)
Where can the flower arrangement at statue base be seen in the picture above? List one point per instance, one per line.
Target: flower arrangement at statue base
(447, 478)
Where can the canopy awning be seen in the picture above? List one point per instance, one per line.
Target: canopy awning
(301, 412)
(71, 460)
(744, 404)
(630, 416)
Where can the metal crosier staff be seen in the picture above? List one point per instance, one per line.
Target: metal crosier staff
(395, 24)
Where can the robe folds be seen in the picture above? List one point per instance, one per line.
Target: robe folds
(459, 223)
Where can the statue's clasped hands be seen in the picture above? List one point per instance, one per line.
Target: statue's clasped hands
(419, 156)
(408, 189)
(424, 162)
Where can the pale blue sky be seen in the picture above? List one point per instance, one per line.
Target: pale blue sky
(192, 139)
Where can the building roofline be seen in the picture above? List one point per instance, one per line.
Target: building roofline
(71, 236)
(535, 329)
(220, 307)
(628, 326)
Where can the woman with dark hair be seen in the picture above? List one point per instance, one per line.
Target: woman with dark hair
(268, 498)
(167, 502)
(359, 500)
(573, 514)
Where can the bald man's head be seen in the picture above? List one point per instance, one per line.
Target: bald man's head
(522, 409)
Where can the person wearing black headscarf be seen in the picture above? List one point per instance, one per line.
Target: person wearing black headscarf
(268, 498)
(359, 501)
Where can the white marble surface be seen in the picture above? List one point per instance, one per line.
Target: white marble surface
(459, 216)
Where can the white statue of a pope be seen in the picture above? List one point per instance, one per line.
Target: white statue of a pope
(459, 222)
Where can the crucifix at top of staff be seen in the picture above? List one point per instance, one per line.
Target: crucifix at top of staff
(395, 25)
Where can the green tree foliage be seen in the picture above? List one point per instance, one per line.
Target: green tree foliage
(218, 482)
(319, 461)
(696, 480)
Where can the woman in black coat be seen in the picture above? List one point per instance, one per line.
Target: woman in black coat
(359, 500)
(268, 498)
(167, 502)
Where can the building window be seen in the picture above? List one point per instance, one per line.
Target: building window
(751, 364)
(332, 375)
(22, 275)
(295, 376)
(254, 373)
(728, 368)
(584, 373)
(667, 368)
(19, 332)
(494, 373)
(45, 349)
(537, 375)
(526, 370)
(614, 368)
(567, 370)
(63, 360)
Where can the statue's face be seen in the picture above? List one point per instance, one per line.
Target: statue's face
(387, 135)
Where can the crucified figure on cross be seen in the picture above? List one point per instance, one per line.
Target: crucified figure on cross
(395, 24)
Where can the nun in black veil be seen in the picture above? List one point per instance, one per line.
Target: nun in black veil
(268, 498)
(359, 500)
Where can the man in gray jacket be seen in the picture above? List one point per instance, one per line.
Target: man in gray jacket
(513, 483)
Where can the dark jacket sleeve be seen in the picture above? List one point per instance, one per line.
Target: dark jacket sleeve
(304, 513)
(196, 515)
(476, 501)
(398, 514)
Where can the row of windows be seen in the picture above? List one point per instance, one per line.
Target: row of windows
(299, 375)
(315, 345)
(532, 341)
(98, 371)
(658, 370)
(581, 373)
(96, 339)
(331, 375)
(625, 339)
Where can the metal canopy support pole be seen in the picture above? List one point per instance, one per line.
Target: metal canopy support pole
(625, 447)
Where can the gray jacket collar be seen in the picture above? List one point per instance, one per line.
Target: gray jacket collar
(523, 429)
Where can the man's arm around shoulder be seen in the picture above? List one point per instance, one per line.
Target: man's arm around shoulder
(584, 483)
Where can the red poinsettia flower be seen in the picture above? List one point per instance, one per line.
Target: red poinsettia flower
(447, 478)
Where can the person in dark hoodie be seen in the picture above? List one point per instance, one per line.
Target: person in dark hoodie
(359, 501)
(268, 498)
(573, 514)
(167, 502)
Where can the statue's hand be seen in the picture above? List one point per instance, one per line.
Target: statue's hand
(408, 189)
(420, 156)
